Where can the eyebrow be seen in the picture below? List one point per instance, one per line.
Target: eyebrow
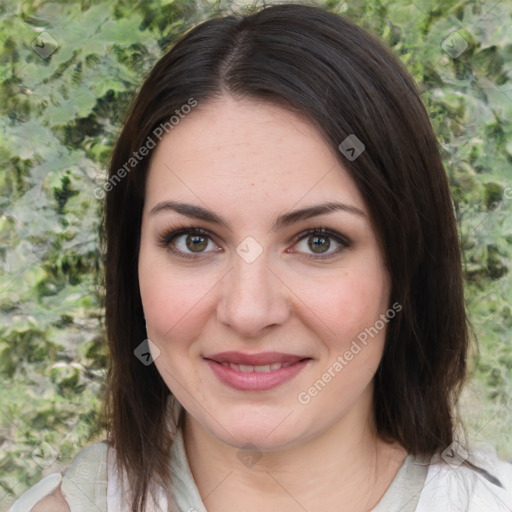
(198, 212)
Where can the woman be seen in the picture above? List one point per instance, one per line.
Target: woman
(284, 290)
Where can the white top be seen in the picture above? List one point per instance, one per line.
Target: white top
(90, 484)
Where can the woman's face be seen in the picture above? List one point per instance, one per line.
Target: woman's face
(266, 334)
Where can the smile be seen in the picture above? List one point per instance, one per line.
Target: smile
(268, 371)
(262, 368)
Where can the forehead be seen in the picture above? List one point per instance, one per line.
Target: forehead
(237, 153)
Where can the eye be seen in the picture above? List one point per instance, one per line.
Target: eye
(195, 240)
(318, 240)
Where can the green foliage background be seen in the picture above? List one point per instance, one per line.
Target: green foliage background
(59, 119)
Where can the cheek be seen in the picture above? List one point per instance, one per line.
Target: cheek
(168, 308)
(175, 302)
(353, 345)
(160, 300)
(348, 303)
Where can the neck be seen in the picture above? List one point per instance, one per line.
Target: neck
(347, 462)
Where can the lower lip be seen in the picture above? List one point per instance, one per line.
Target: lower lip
(256, 381)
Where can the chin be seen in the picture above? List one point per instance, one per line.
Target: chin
(264, 431)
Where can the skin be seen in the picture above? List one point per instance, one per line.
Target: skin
(250, 162)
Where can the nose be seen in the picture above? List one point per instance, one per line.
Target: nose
(253, 297)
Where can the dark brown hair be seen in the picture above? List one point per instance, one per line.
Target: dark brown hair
(347, 83)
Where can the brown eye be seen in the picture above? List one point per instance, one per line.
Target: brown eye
(319, 241)
(195, 240)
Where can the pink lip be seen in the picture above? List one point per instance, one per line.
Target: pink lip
(255, 381)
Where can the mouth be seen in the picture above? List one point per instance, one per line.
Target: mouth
(260, 368)
(262, 361)
(255, 372)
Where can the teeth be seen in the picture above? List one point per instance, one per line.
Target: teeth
(262, 368)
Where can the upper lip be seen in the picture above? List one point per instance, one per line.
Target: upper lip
(261, 358)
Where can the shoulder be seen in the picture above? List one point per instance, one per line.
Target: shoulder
(469, 480)
(85, 476)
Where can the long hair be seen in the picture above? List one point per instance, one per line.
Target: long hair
(347, 83)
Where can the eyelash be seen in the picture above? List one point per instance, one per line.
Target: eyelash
(167, 237)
